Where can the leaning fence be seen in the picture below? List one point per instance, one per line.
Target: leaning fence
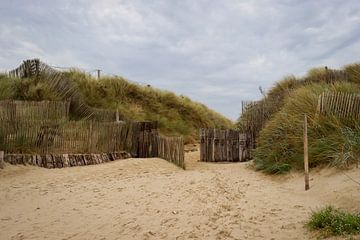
(346, 105)
(65, 88)
(171, 149)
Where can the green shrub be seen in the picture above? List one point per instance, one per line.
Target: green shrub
(332, 221)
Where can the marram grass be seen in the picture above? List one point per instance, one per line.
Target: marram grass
(332, 139)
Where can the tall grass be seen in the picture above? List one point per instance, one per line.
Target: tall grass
(332, 139)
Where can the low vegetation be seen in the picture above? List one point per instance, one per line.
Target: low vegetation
(332, 221)
(176, 115)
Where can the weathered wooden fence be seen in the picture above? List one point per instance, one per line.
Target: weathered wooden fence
(63, 160)
(12, 110)
(171, 149)
(346, 105)
(28, 68)
(254, 116)
(66, 137)
(144, 139)
(64, 88)
(44, 127)
(224, 145)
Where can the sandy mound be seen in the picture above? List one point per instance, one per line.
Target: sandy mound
(153, 199)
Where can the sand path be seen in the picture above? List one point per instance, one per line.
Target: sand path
(153, 199)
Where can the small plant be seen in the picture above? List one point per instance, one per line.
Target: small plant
(333, 221)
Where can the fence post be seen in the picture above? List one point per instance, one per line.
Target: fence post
(117, 116)
(2, 164)
(90, 138)
(306, 157)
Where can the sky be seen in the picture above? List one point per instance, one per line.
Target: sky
(215, 52)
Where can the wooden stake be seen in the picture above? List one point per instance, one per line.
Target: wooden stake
(306, 157)
(2, 160)
(117, 116)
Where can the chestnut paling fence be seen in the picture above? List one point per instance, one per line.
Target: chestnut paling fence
(224, 145)
(346, 105)
(43, 128)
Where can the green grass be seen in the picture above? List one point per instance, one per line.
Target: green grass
(332, 140)
(331, 221)
(176, 115)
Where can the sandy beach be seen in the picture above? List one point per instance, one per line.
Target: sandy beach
(153, 199)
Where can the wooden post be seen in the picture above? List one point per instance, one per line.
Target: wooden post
(2, 160)
(306, 157)
(117, 116)
(98, 73)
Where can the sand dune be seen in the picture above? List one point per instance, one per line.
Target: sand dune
(153, 199)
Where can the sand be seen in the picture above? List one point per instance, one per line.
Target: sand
(153, 199)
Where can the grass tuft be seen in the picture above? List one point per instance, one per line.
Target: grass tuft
(333, 221)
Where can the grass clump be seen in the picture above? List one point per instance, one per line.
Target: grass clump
(333, 221)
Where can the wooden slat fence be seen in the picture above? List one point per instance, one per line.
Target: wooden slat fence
(346, 105)
(64, 88)
(254, 116)
(12, 110)
(65, 137)
(141, 139)
(28, 68)
(34, 130)
(171, 149)
(144, 137)
(224, 145)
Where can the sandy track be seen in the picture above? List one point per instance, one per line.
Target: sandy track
(153, 199)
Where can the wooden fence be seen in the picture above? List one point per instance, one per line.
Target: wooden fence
(144, 139)
(63, 160)
(29, 127)
(11, 110)
(64, 88)
(28, 68)
(254, 116)
(224, 145)
(140, 139)
(171, 149)
(346, 105)
(65, 137)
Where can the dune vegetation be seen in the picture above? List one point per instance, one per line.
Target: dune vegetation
(176, 115)
(332, 221)
(333, 139)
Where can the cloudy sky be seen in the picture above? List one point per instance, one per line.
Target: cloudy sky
(216, 52)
